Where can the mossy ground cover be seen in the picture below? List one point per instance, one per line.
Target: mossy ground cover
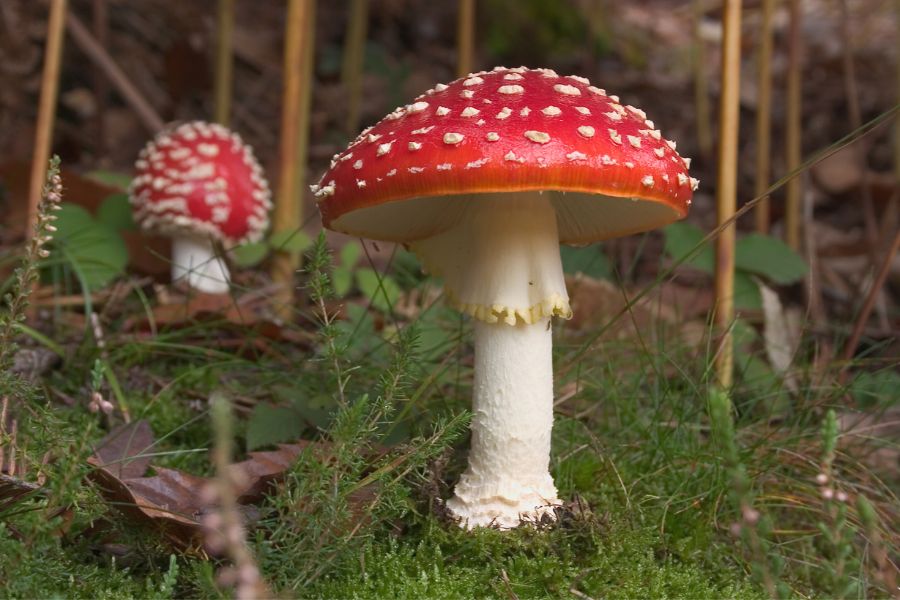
(653, 508)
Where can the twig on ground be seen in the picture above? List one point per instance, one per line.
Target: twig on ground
(866, 310)
(99, 56)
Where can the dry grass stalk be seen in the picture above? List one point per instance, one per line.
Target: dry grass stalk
(726, 186)
(764, 118)
(354, 60)
(897, 120)
(288, 213)
(794, 127)
(100, 26)
(224, 75)
(701, 83)
(465, 37)
(43, 137)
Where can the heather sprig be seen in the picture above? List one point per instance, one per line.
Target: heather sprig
(26, 275)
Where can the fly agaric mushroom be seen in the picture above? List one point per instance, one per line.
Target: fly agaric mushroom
(483, 178)
(199, 183)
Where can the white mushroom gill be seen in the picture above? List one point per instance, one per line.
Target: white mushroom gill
(501, 264)
(194, 258)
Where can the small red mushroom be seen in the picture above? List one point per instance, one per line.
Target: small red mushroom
(199, 183)
(484, 178)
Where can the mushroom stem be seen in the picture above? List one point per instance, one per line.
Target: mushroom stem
(194, 258)
(500, 262)
(508, 479)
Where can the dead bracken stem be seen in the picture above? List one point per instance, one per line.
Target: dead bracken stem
(43, 136)
(793, 127)
(726, 186)
(288, 213)
(465, 37)
(866, 310)
(701, 84)
(100, 26)
(855, 115)
(224, 63)
(764, 117)
(353, 61)
(870, 219)
(897, 121)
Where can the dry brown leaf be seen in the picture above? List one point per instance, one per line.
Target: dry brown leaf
(123, 451)
(665, 311)
(172, 501)
(247, 311)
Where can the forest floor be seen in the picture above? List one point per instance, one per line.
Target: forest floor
(349, 413)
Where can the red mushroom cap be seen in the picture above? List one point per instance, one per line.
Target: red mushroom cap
(512, 130)
(200, 178)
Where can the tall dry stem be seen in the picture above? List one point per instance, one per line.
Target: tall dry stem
(465, 37)
(224, 75)
(764, 117)
(353, 61)
(726, 186)
(701, 82)
(897, 119)
(43, 136)
(793, 127)
(100, 26)
(288, 213)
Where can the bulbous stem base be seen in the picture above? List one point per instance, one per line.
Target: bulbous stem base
(508, 481)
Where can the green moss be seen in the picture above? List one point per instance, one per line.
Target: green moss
(619, 562)
(45, 567)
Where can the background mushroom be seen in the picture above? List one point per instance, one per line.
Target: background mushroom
(483, 178)
(199, 183)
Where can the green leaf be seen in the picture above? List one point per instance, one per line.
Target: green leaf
(115, 213)
(746, 292)
(270, 424)
(769, 257)
(590, 261)
(250, 255)
(383, 295)
(98, 252)
(290, 240)
(342, 274)
(341, 280)
(682, 238)
(350, 254)
(110, 178)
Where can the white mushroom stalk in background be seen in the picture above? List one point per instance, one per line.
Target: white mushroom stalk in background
(201, 185)
(483, 178)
